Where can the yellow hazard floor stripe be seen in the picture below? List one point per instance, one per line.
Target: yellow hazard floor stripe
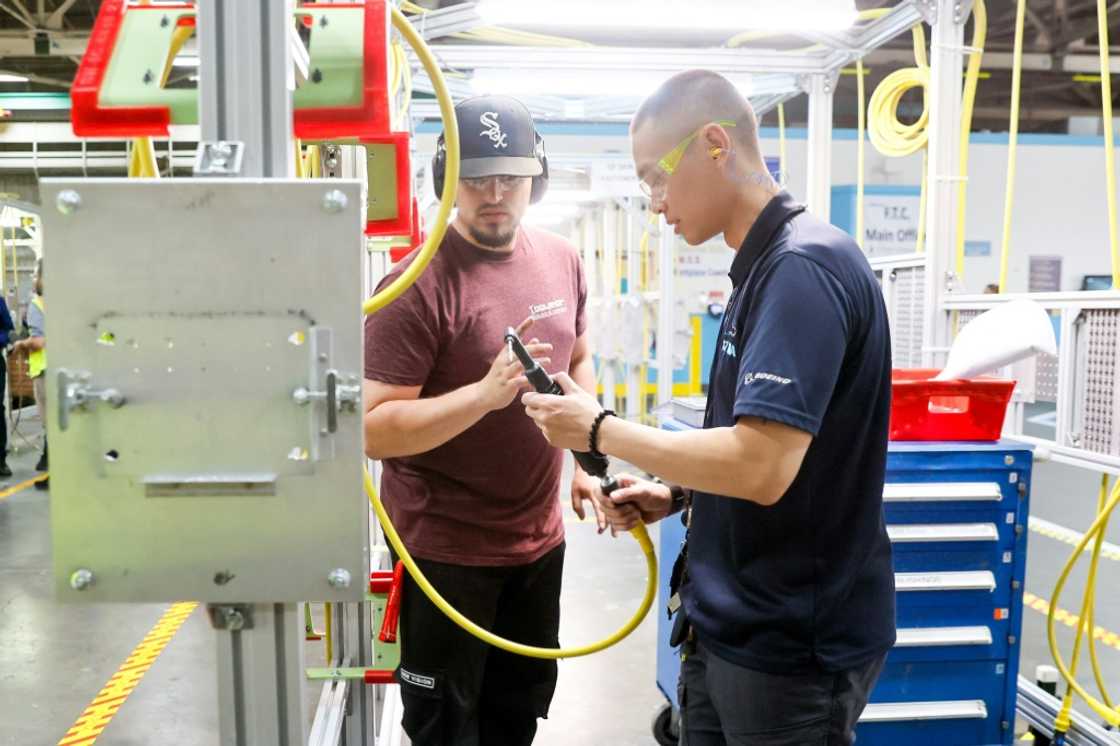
(9, 491)
(1069, 536)
(104, 706)
(1042, 606)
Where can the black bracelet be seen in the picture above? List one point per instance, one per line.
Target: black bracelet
(679, 495)
(593, 436)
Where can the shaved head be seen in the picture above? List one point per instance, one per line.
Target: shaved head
(692, 99)
(716, 180)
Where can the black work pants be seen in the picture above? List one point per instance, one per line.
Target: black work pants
(723, 703)
(458, 690)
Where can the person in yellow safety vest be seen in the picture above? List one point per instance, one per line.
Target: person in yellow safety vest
(35, 347)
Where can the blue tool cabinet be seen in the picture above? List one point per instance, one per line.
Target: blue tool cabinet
(957, 515)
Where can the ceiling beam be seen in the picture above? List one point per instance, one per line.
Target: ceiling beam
(54, 20)
(668, 59)
(1044, 113)
(59, 44)
(1040, 27)
(14, 13)
(1079, 29)
(1032, 61)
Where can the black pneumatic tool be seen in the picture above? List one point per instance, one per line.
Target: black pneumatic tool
(594, 465)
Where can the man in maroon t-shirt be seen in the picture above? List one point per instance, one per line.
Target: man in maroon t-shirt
(469, 481)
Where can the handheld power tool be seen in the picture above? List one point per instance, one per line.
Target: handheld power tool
(594, 465)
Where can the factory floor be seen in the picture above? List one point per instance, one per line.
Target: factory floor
(55, 658)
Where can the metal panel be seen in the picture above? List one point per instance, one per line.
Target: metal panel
(1046, 380)
(907, 314)
(1099, 402)
(207, 362)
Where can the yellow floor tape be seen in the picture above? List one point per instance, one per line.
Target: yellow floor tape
(9, 491)
(1071, 537)
(105, 705)
(1042, 606)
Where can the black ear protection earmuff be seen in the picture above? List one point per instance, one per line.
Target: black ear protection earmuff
(540, 183)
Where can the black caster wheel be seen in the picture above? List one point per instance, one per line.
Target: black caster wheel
(666, 727)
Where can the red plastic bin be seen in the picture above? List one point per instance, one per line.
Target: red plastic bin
(969, 409)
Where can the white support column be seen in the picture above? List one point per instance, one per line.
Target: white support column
(245, 97)
(818, 189)
(633, 315)
(946, 58)
(607, 240)
(245, 64)
(666, 311)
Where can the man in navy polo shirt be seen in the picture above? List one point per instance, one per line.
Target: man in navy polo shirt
(789, 588)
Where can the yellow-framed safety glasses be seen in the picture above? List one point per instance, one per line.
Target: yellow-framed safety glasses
(668, 164)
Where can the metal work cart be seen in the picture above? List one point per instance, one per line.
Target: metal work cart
(956, 514)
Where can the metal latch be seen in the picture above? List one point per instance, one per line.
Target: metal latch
(339, 393)
(220, 158)
(75, 393)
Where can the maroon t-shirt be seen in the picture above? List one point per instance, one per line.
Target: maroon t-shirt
(489, 496)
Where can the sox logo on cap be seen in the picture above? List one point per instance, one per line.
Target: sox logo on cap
(489, 119)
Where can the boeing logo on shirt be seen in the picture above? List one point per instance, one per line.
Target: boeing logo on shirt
(540, 311)
(751, 377)
(489, 119)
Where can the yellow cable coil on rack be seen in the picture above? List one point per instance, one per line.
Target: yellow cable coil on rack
(892, 137)
(391, 293)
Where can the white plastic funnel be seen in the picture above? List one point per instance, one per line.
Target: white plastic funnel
(1006, 334)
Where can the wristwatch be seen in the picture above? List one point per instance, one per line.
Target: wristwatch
(681, 496)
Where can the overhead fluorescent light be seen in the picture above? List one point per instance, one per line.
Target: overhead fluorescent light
(674, 15)
(10, 78)
(582, 83)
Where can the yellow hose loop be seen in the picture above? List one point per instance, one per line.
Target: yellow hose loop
(451, 176)
(1091, 593)
(517, 648)
(391, 293)
(890, 136)
(1112, 717)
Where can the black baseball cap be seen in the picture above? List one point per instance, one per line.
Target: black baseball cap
(497, 137)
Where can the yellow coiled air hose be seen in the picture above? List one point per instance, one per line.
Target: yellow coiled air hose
(391, 293)
(892, 137)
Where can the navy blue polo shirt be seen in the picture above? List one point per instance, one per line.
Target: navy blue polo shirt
(806, 584)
